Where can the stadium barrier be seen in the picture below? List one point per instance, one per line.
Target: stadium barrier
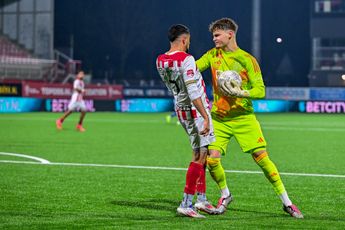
(146, 92)
(144, 105)
(304, 94)
(61, 105)
(64, 91)
(153, 99)
(19, 104)
(322, 106)
(10, 89)
(22, 104)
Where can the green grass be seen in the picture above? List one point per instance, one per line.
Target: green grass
(34, 196)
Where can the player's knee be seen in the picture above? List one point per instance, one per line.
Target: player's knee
(213, 162)
(199, 155)
(259, 154)
(213, 153)
(270, 170)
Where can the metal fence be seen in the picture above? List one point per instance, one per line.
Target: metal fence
(27, 68)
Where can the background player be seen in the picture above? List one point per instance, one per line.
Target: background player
(76, 103)
(233, 113)
(171, 116)
(178, 71)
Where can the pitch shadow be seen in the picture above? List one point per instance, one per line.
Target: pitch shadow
(153, 204)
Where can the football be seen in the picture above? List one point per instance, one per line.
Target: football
(228, 76)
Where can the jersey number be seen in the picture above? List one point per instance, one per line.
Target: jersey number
(171, 76)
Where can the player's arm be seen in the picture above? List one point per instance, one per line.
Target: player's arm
(201, 109)
(203, 63)
(194, 92)
(255, 78)
(257, 87)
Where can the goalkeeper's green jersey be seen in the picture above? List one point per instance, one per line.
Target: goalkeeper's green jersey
(243, 63)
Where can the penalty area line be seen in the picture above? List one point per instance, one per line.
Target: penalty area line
(41, 160)
(163, 168)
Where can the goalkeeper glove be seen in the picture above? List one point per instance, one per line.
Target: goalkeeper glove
(232, 89)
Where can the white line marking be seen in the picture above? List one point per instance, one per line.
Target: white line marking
(166, 168)
(41, 160)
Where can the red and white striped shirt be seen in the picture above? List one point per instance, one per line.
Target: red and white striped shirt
(78, 88)
(181, 76)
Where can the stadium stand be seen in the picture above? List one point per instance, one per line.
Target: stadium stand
(8, 48)
(17, 63)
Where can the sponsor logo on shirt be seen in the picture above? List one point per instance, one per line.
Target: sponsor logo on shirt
(190, 73)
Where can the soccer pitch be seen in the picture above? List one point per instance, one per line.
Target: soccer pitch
(127, 171)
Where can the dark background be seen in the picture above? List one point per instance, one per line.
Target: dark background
(121, 39)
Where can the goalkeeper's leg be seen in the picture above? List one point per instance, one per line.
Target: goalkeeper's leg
(217, 173)
(270, 170)
(260, 156)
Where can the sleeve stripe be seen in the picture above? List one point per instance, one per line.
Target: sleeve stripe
(255, 65)
(190, 82)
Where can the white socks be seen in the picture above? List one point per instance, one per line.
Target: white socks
(285, 199)
(225, 192)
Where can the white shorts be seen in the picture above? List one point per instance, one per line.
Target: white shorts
(77, 105)
(193, 124)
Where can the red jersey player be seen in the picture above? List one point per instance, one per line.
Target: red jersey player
(76, 103)
(178, 71)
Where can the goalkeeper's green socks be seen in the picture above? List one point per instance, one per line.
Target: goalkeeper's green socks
(217, 173)
(271, 172)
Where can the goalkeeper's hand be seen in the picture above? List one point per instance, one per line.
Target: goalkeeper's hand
(232, 89)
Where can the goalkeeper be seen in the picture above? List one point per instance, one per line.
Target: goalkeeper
(233, 113)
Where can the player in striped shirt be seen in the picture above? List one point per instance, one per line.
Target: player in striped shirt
(178, 71)
(76, 103)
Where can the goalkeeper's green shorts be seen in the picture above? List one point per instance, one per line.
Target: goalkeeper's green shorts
(246, 129)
